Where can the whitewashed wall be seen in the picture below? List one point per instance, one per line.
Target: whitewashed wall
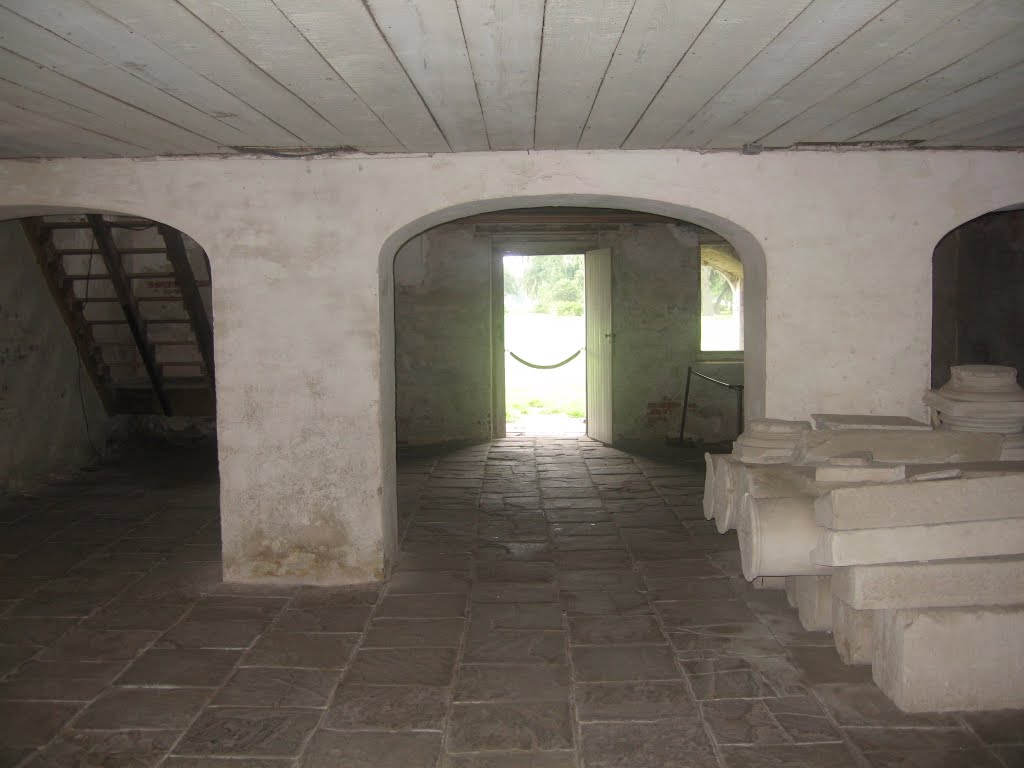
(836, 247)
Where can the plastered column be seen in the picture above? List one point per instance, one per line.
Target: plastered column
(303, 497)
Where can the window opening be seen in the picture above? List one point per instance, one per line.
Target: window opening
(721, 300)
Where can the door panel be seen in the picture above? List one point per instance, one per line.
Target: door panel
(498, 427)
(600, 343)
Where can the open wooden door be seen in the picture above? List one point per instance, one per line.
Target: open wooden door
(600, 339)
(498, 427)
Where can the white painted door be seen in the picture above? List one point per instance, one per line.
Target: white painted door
(600, 343)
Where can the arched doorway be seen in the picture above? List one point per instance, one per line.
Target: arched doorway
(107, 386)
(743, 245)
(978, 294)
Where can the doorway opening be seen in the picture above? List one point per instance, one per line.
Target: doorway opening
(545, 344)
(630, 280)
(977, 291)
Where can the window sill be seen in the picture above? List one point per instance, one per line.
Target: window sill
(720, 357)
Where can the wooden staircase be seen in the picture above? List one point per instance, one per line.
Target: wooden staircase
(135, 295)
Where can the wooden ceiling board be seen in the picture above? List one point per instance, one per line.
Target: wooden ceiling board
(87, 29)
(503, 39)
(14, 95)
(657, 35)
(183, 35)
(580, 37)
(970, 32)
(148, 129)
(897, 27)
(181, 77)
(998, 55)
(29, 134)
(818, 29)
(428, 40)
(739, 31)
(266, 37)
(47, 49)
(348, 38)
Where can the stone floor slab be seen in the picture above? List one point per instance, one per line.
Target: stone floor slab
(517, 726)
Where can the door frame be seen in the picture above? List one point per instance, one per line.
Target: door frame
(600, 346)
(498, 426)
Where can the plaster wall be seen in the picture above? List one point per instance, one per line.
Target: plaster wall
(836, 246)
(978, 283)
(656, 318)
(443, 337)
(656, 306)
(656, 321)
(42, 425)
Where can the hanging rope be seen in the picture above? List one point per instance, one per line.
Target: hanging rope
(567, 360)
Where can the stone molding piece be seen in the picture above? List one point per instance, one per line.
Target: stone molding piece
(776, 537)
(769, 441)
(913, 543)
(734, 479)
(906, 504)
(980, 398)
(952, 583)
(900, 446)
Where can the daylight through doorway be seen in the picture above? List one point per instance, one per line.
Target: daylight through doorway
(545, 336)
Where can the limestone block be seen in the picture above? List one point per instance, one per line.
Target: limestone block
(736, 479)
(950, 583)
(949, 473)
(839, 421)
(852, 630)
(1013, 448)
(921, 472)
(951, 541)
(900, 446)
(776, 537)
(941, 501)
(813, 598)
(867, 473)
(946, 659)
(769, 441)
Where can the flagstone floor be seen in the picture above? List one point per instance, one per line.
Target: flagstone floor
(556, 604)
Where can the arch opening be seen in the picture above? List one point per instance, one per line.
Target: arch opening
(109, 341)
(475, 231)
(978, 294)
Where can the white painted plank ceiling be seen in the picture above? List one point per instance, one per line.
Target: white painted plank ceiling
(137, 78)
